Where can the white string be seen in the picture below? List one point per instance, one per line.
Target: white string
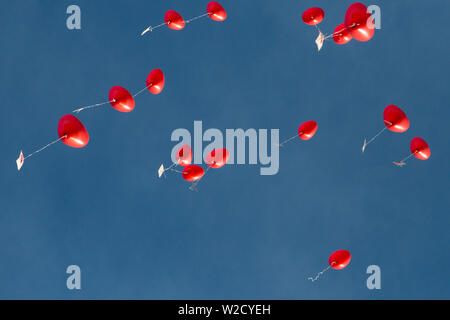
(318, 29)
(45, 147)
(287, 140)
(408, 157)
(197, 17)
(337, 32)
(93, 106)
(142, 90)
(170, 168)
(150, 28)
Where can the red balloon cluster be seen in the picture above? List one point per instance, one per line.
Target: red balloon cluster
(216, 159)
(175, 21)
(73, 133)
(358, 24)
(395, 120)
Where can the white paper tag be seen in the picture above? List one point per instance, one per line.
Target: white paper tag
(319, 41)
(161, 171)
(364, 146)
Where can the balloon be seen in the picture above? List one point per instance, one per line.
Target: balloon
(313, 16)
(174, 20)
(121, 99)
(75, 133)
(184, 155)
(339, 259)
(216, 11)
(307, 130)
(420, 149)
(155, 81)
(341, 34)
(217, 158)
(359, 22)
(395, 119)
(193, 173)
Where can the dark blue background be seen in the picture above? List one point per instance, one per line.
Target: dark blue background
(243, 235)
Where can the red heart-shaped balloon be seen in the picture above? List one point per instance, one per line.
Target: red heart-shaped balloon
(216, 11)
(420, 148)
(74, 133)
(121, 99)
(359, 22)
(341, 34)
(174, 20)
(184, 155)
(193, 173)
(395, 119)
(217, 158)
(307, 130)
(313, 16)
(155, 81)
(339, 259)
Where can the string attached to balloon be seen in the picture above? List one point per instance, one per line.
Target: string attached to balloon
(175, 21)
(21, 159)
(394, 119)
(92, 106)
(419, 149)
(338, 260)
(366, 143)
(319, 274)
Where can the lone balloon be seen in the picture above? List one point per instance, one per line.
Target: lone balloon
(338, 260)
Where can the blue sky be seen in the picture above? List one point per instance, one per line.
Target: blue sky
(243, 235)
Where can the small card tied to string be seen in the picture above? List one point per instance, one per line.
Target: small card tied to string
(20, 160)
(161, 171)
